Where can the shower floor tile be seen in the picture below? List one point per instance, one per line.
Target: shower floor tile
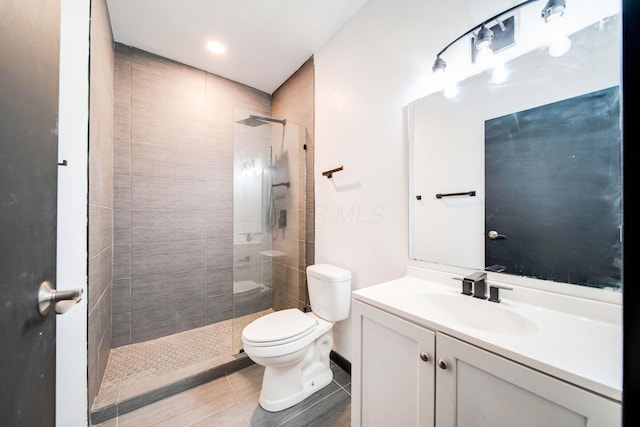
(138, 368)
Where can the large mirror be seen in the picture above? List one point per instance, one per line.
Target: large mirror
(523, 176)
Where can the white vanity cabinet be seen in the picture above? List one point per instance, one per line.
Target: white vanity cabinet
(458, 384)
(476, 387)
(393, 371)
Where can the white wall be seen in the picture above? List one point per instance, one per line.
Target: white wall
(71, 333)
(365, 77)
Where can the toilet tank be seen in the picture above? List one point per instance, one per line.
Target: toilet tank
(329, 291)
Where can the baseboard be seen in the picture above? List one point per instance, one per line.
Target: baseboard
(109, 412)
(339, 360)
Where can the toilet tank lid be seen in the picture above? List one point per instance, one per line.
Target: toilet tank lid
(328, 272)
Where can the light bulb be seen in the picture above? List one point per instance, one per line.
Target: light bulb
(500, 73)
(484, 38)
(557, 38)
(485, 57)
(451, 89)
(439, 66)
(559, 45)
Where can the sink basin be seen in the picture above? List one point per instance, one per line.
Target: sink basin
(473, 313)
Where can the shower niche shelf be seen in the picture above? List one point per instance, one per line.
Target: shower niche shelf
(272, 253)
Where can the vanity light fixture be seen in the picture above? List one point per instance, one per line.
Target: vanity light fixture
(559, 42)
(488, 36)
(439, 66)
(492, 38)
(484, 39)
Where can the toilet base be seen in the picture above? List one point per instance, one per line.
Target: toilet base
(283, 387)
(308, 388)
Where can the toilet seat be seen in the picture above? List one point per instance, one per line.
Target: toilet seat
(277, 328)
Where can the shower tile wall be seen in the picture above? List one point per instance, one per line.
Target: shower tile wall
(294, 100)
(173, 195)
(101, 93)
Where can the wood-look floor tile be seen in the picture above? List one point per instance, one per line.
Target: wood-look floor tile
(247, 381)
(339, 375)
(184, 408)
(230, 417)
(332, 411)
(347, 388)
(258, 417)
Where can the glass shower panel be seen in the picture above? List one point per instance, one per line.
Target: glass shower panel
(269, 217)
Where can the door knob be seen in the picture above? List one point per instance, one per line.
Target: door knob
(62, 301)
(494, 235)
(424, 356)
(442, 364)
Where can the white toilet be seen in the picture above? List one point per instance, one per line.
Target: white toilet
(294, 346)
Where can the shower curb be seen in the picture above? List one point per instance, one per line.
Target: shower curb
(112, 411)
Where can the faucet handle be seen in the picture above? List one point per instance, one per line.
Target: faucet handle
(494, 290)
(466, 285)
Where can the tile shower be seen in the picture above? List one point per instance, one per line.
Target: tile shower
(188, 218)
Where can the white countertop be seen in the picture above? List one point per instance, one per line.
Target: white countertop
(580, 350)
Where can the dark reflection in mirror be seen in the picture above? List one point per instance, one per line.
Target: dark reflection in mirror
(552, 182)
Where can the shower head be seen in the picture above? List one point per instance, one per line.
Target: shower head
(254, 121)
(250, 121)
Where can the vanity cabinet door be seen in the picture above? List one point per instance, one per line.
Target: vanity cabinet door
(478, 388)
(393, 370)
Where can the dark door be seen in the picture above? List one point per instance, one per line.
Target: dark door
(29, 63)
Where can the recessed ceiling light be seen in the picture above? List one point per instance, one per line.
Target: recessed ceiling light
(215, 47)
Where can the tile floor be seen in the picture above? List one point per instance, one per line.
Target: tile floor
(232, 401)
(139, 368)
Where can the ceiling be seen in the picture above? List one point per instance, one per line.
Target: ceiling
(266, 40)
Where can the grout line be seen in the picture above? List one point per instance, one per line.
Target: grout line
(205, 404)
(130, 55)
(233, 390)
(344, 388)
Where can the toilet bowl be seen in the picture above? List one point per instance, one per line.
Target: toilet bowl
(293, 346)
